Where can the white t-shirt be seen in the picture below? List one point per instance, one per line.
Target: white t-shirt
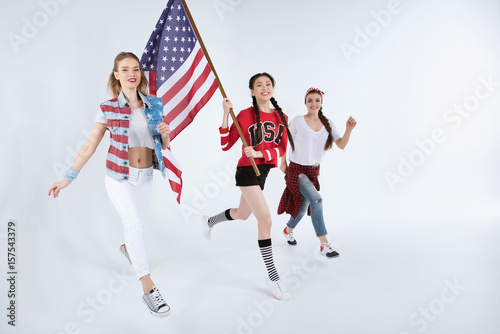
(309, 144)
(139, 132)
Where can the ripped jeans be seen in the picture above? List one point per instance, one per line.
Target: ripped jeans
(310, 196)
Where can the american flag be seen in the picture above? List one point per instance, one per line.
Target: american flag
(179, 73)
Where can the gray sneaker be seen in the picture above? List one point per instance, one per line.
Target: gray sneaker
(124, 252)
(157, 306)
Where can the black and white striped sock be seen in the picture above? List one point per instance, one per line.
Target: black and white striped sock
(266, 249)
(221, 217)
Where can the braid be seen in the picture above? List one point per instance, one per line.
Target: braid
(324, 120)
(280, 112)
(258, 134)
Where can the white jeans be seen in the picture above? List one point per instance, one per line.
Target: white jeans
(132, 199)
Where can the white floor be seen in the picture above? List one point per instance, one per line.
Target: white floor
(392, 277)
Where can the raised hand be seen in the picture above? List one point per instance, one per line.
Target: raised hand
(351, 123)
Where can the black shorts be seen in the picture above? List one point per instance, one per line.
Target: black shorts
(245, 176)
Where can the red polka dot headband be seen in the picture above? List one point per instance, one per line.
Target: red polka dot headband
(316, 90)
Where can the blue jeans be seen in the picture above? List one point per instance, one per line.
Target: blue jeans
(310, 196)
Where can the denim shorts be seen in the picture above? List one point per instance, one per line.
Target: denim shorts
(245, 176)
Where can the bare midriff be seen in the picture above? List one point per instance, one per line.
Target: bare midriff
(140, 157)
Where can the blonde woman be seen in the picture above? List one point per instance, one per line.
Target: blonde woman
(137, 137)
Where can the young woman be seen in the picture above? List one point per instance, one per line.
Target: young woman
(314, 134)
(266, 130)
(138, 136)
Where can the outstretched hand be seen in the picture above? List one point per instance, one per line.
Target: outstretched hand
(58, 186)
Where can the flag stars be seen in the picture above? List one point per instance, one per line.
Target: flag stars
(189, 49)
(149, 59)
(172, 69)
(167, 38)
(163, 68)
(178, 18)
(152, 67)
(170, 18)
(174, 49)
(146, 51)
(173, 59)
(183, 39)
(181, 59)
(184, 18)
(161, 21)
(178, 7)
(183, 29)
(182, 50)
(154, 51)
(162, 78)
(168, 28)
(144, 66)
(164, 59)
(177, 29)
(175, 39)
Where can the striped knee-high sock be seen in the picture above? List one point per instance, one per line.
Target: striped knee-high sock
(221, 217)
(266, 249)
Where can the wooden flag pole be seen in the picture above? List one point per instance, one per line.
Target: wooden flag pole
(235, 121)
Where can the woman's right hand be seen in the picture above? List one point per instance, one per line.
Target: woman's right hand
(58, 186)
(284, 167)
(226, 104)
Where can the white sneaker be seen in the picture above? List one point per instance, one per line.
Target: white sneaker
(289, 237)
(279, 290)
(157, 306)
(327, 250)
(207, 230)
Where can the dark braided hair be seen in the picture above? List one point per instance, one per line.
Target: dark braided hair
(282, 116)
(258, 134)
(324, 120)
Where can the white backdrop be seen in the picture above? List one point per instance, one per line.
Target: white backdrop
(412, 204)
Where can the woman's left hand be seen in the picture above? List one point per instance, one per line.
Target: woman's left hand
(251, 153)
(351, 123)
(164, 129)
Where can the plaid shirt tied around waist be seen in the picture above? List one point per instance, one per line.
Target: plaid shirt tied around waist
(291, 200)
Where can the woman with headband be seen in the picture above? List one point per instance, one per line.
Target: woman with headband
(313, 135)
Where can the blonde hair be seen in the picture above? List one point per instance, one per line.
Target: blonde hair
(114, 85)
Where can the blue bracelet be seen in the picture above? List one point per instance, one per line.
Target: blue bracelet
(71, 174)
